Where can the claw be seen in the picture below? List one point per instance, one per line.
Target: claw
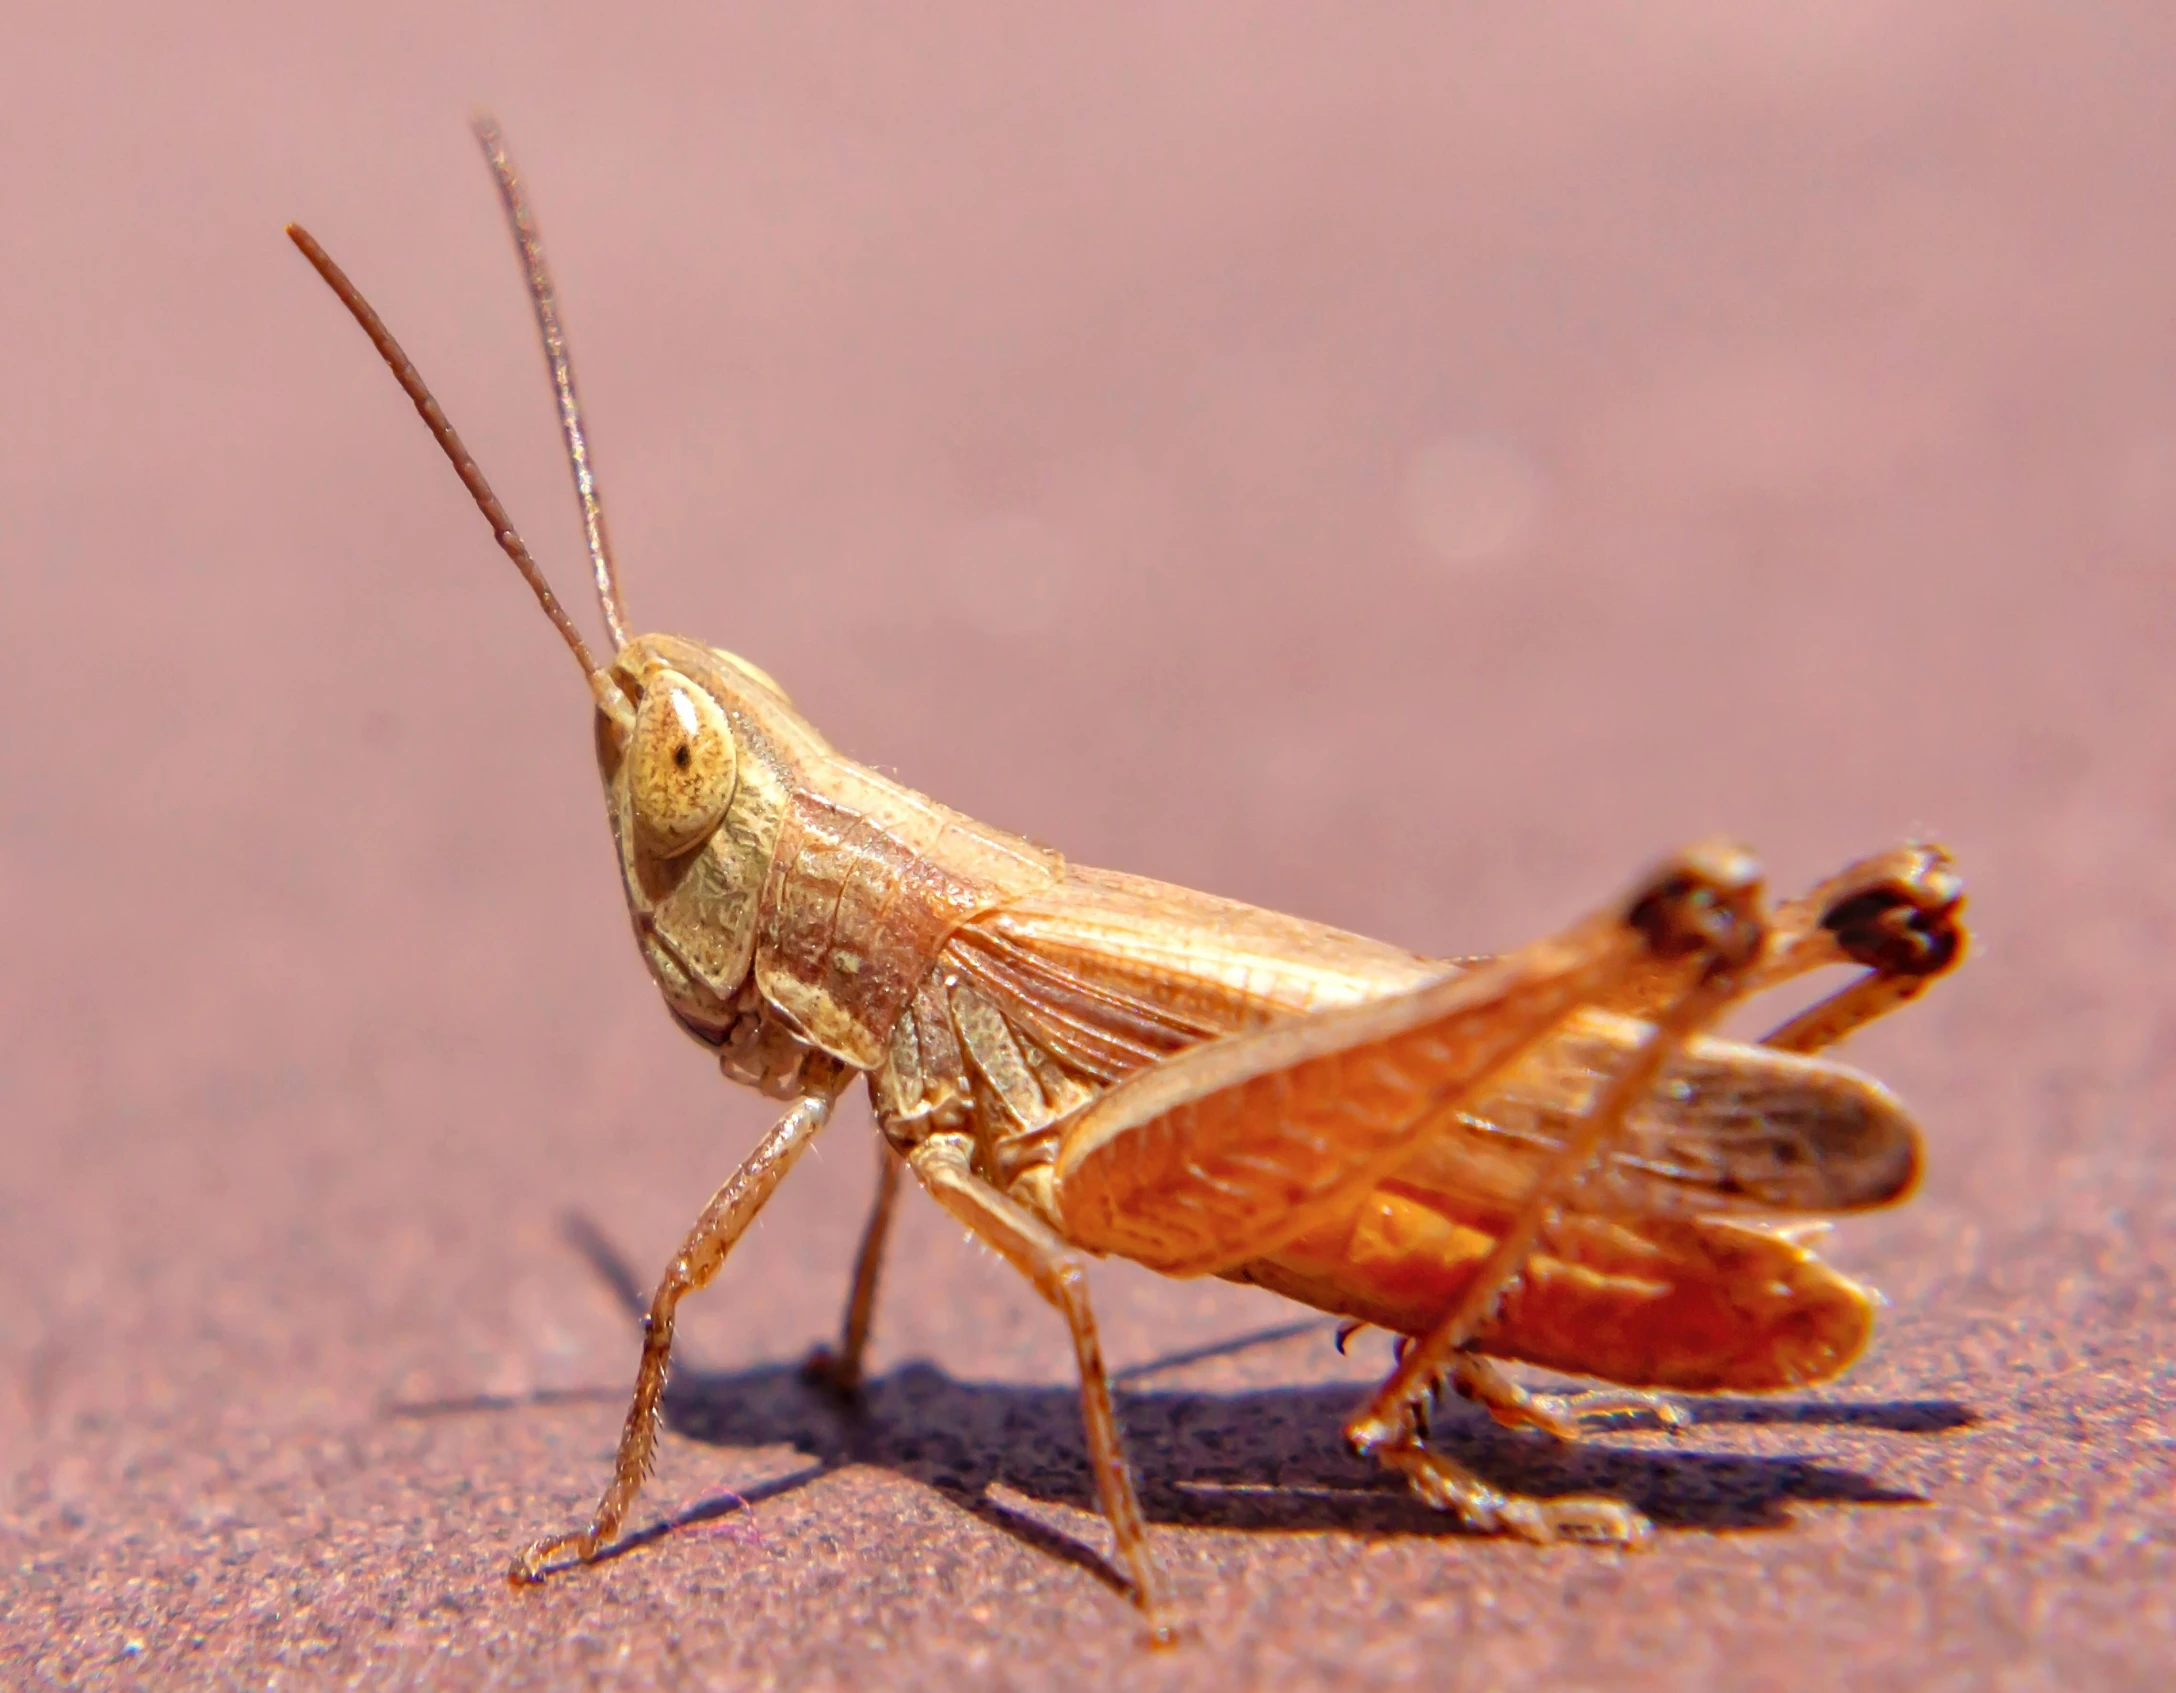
(531, 1563)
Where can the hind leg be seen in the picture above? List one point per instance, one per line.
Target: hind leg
(945, 1166)
(1706, 915)
(1899, 914)
(1564, 1416)
(1449, 1486)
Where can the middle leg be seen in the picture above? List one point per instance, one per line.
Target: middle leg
(944, 1164)
(841, 1370)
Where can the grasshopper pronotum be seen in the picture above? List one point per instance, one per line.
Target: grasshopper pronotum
(1539, 1157)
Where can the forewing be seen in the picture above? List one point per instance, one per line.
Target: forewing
(1313, 1057)
(1210, 1158)
(1111, 972)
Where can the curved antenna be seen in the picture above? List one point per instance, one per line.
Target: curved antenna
(450, 443)
(555, 354)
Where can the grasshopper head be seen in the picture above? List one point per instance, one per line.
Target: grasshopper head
(698, 751)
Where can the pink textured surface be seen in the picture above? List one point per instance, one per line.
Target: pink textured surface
(1432, 464)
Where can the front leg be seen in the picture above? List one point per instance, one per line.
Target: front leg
(944, 1164)
(731, 1209)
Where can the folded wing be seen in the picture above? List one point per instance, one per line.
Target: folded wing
(1112, 974)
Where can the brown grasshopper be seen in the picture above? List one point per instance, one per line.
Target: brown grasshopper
(1541, 1157)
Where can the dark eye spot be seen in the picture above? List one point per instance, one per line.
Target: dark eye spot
(680, 755)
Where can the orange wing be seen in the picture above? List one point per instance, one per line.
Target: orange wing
(1113, 975)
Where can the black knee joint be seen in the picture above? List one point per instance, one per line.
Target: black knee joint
(1706, 904)
(1887, 930)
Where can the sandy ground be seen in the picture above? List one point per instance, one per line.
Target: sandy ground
(1408, 471)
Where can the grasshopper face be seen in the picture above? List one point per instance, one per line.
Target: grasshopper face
(697, 750)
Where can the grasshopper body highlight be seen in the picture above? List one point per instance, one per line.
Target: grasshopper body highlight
(1541, 1157)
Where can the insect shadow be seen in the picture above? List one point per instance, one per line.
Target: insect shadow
(1265, 1459)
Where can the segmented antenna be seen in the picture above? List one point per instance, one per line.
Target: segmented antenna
(562, 367)
(450, 443)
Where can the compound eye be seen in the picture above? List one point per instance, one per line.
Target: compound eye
(681, 764)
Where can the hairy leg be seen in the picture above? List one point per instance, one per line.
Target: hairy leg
(731, 1209)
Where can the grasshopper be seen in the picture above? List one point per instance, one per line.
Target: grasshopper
(1543, 1157)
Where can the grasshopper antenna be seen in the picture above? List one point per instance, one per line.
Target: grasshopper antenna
(450, 443)
(531, 243)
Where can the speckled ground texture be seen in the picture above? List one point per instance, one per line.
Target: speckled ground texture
(1409, 468)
